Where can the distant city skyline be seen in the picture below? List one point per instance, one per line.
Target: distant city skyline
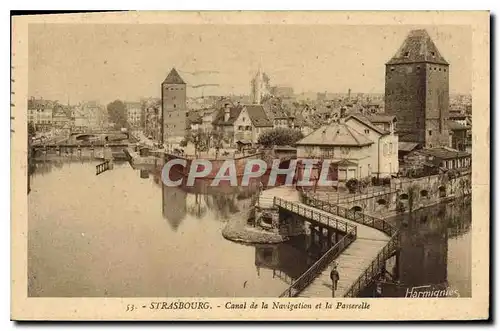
(80, 62)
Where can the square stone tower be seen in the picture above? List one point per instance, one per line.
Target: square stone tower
(174, 109)
(417, 91)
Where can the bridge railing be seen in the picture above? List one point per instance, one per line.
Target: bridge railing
(314, 215)
(374, 268)
(310, 274)
(350, 214)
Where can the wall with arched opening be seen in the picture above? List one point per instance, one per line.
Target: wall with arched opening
(442, 191)
(357, 209)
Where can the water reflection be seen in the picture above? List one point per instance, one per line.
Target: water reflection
(435, 249)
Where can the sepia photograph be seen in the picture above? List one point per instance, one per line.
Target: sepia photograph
(278, 161)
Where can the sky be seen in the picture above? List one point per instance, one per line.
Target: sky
(105, 62)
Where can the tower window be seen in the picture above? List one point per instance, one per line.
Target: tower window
(418, 67)
(433, 54)
(444, 70)
(430, 132)
(392, 68)
(367, 131)
(439, 69)
(175, 106)
(407, 54)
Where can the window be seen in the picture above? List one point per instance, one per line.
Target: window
(407, 54)
(169, 115)
(344, 150)
(439, 69)
(175, 106)
(430, 132)
(367, 131)
(392, 68)
(240, 127)
(390, 148)
(444, 70)
(418, 68)
(433, 54)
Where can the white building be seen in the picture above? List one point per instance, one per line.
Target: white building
(40, 113)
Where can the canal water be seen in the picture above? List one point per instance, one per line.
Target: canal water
(435, 252)
(124, 234)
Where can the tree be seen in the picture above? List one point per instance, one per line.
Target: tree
(117, 113)
(199, 139)
(280, 137)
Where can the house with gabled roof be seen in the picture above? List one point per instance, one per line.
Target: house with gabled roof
(356, 148)
(244, 122)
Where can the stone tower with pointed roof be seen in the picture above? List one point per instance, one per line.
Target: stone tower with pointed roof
(174, 110)
(417, 91)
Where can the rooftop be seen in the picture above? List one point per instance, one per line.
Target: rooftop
(418, 47)
(256, 114)
(444, 153)
(335, 134)
(366, 120)
(173, 78)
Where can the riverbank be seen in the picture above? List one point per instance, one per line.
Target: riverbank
(238, 230)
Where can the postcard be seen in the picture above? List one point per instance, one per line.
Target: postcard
(311, 165)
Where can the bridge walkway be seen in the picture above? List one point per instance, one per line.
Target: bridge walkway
(352, 262)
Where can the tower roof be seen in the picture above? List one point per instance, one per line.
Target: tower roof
(173, 78)
(418, 47)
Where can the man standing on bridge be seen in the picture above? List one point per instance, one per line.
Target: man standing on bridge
(334, 276)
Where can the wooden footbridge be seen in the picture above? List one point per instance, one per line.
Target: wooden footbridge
(360, 254)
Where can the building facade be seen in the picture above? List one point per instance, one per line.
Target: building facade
(134, 114)
(40, 113)
(242, 123)
(174, 109)
(355, 147)
(417, 91)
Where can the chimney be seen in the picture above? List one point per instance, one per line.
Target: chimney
(226, 112)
